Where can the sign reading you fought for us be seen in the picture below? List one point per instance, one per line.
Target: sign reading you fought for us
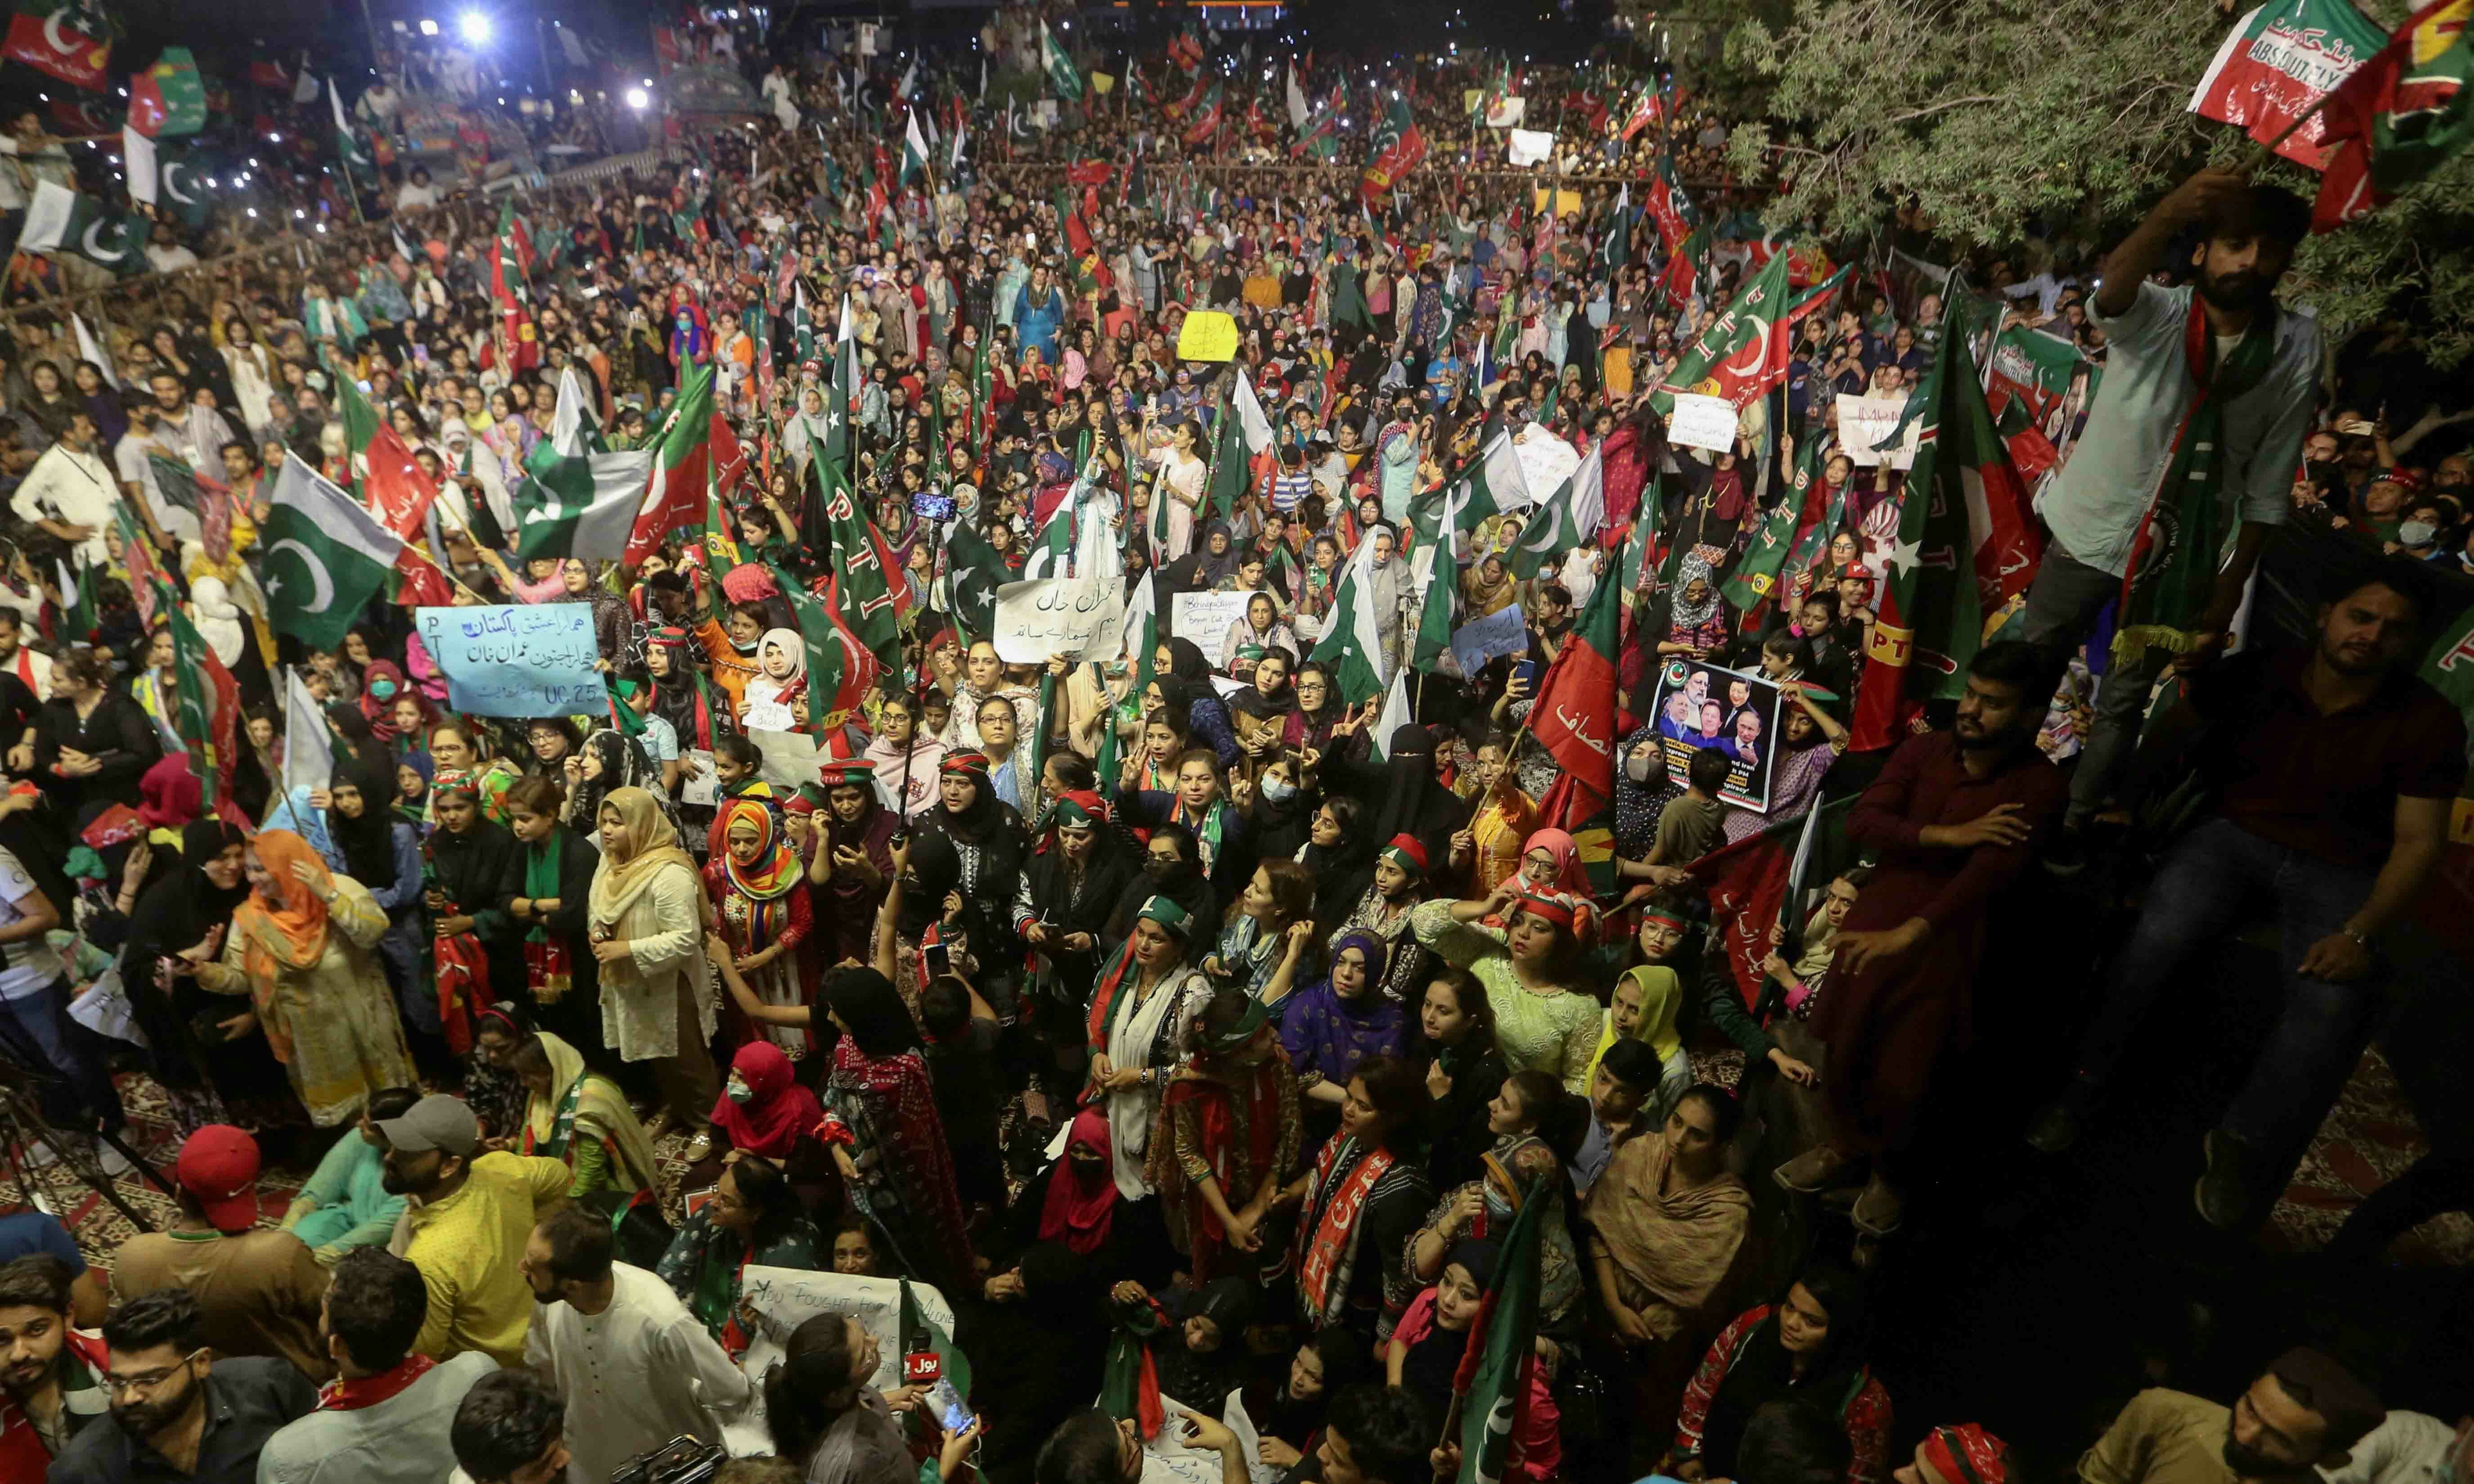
(519, 660)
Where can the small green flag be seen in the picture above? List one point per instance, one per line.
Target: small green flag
(168, 98)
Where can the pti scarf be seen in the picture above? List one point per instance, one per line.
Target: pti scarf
(2172, 568)
(1328, 1238)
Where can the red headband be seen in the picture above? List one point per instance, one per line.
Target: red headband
(1552, 909)
(1966, 1454)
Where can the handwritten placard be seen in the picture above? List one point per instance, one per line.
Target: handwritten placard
(786, 1298)
(787, 759)
(1078, 617)
(516, 660)
(1204, 618)
(1701, 421)
(1864, 421)
(1504, 631)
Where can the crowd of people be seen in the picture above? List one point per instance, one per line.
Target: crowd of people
(1194, 1019)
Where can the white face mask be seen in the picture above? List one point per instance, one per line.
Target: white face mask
(737, 1092)
(2415, 533)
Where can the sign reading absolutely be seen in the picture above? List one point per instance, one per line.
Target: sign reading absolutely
(516, 660)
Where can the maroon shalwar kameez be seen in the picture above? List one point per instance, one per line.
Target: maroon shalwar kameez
(1887, 1026)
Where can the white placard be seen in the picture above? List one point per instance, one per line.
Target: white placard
(1702, 422)
(1547, 460)
(1204, 618)
(1079, 618)
(788, 1296)
(769, 716)
(1529, 146)
(787, 758)
(1866, 420)
(698, 783)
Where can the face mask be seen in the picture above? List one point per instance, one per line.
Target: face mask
(382, 688)
(737, 1092)
(2416, 533)
(1157, 869)
(1637, 768)
(1279, 790)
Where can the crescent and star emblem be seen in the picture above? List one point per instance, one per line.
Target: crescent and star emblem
(322, 586)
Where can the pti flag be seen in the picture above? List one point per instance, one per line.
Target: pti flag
(2398, 116)
(1965, 545)
(1743, 352)
(168, 98)
(69, 40)
(2280, 61)
(1498, 1373)
(1398, 146)
(1575, 718)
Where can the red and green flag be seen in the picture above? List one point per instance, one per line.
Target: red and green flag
(1761, 882)
(206, 710)
(682, 468)
(1744, 351)
(1496, 1373)
(839, 668)
(1577, 717)
(68, 39)
(510, 259)
(1399, 147)
(1754, 581)
(2399, 115)
(168, 98)
(1944, 576)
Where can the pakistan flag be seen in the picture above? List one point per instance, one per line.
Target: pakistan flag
(60, 220)
(326, 556)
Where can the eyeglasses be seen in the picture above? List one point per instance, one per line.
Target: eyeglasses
(145, 1381)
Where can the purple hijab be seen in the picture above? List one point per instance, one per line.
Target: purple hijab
(1329, 1035)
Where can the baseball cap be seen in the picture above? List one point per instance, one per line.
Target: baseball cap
(218, 1167)
(437, 1121)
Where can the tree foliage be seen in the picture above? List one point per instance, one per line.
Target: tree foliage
(1995, 123)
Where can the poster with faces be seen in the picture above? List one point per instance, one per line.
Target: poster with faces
(1700, 705)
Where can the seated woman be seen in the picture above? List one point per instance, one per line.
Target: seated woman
(752, 1218)
(1425, 1352)
(831, 1422)
(1196, 1337)
(345, 1204)
(1808, 1344)
(763, 1109)
(580, 1117)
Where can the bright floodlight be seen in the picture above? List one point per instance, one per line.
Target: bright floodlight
(639, 99)
(475, 25)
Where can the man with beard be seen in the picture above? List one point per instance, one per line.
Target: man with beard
(1951, 818)
(48, 1387)
(177, 1411)
(383, 1420)
(2189, 451)
(467, 1225)
(636, 1368)
(2337, 767)
(2304, 1415)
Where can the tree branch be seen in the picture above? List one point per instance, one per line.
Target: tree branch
(1913, 114)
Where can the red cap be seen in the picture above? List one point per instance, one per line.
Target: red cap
(218, 1167)
(1858, 571)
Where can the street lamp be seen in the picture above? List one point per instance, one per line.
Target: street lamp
(475, 26)
(638, 99)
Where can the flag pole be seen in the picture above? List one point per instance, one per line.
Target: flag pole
(2267, 150)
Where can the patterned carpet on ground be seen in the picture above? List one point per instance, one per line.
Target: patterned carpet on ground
(2367, 1140)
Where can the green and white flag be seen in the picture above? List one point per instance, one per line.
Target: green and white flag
(1249, 415)
(1437, 609)
(1488, 485)
(1396, 714)
(914, 150)
(60, 220)
(583, 505)
(360, 165)
(325, 557)
(802, 325)
(90, 349)
(975, 571)
(1352, 646)
(1567, 521)
(1064, 79)
(573, 431)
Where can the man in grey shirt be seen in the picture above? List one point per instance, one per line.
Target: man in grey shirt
(384, 1419)
(2163, 340)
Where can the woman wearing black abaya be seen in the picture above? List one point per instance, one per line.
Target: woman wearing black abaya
(1171, 867)
(466, 865)
(989, 846)
(1402, 794)
(205, 1075)
(1038, 1338)
(1078, 872)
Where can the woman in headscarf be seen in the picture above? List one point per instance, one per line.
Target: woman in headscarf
(988, 843)
(759, 896)
(1641, 790)
(1550, 861)
(577, 1115)
(541, 891)
(1227, 1137)
(303, 949)
(881, 1125)
(202, 1070)
(1195, 707)
(780, 677)
(1810, 740)
(383, 854)
(1261, 712)
(1359, 1201)
(754, 1217)
(1074, 1201)
(413, 771)
(1535, 1128)
(1487, 589)
(1202, 569)
(1329, 1362)
(1456, 1057)
(1504, 814)
(1258, 627)
(1406, 796)
(381, 687)
(1079, 867)
(1808, 1345)
(763, 1109)
(680, 694)
(849, 849)
(455, 746)
(1141, 1019)
(1202, 1351)
(1666, 1222)
(647, 929)
(1424, 1354)
(1698, 624)
(1531, 968)
(1330, 1027)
